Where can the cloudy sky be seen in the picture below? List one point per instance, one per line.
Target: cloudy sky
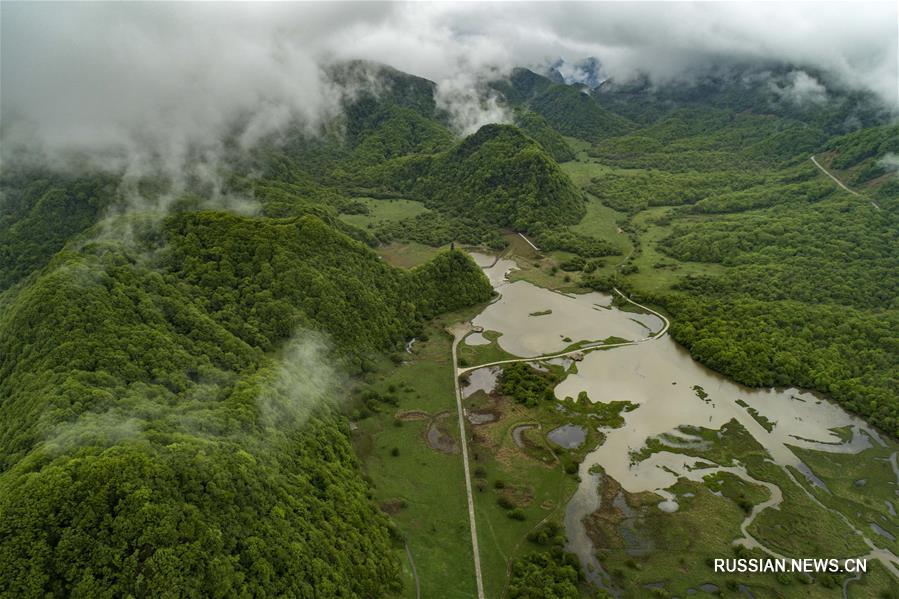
(130, 76)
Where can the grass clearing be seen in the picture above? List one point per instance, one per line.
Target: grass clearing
(657, 272)
(472, 355)
(383, 210)
(710, 514)
(861, 486)
(533, 482)
(427, 484)
(601, 222)
(517, 246)
(408, 255)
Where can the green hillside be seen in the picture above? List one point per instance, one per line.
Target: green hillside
(169, 421)
(574, 112)
(773, 273)
(498, 175)
(40, 211)
(549, 139)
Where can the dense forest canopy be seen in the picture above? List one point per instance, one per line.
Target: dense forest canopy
(171, 403)
(498, 175)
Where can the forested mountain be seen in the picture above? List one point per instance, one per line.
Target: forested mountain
(570, 109)
(784, 91)
(40, 211)
(497, 174)
(168, 413)
(537, 128)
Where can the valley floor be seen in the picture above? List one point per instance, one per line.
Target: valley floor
(522, 481)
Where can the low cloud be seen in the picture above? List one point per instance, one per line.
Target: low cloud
(470, 104)
(103, 429)
(303, 382)
(800, 89)
(890, 162)
(152, 87)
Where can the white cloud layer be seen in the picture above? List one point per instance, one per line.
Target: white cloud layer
(150, 83)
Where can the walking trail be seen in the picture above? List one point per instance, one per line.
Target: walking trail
(840, 183)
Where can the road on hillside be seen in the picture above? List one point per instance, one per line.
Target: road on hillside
(840, 183)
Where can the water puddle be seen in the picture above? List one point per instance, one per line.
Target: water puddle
(879, 530)
(569, 436)
(669, 502)
(482, 417)
(438, 438)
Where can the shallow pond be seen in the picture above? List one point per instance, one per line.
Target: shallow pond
(495, 268)
(482, 379)
(643, 374)
(482, 417)
(569, 436)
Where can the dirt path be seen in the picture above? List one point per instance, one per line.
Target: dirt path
(840, 183)
(580, 350)
(536, 249)
(458, 332)
(414, 571)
